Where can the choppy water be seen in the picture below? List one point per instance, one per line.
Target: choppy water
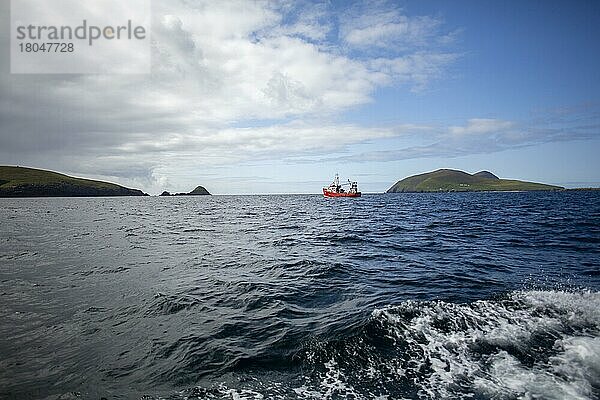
(482, 295)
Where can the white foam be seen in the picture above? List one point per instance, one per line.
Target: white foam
(245, 394)
(447, 345)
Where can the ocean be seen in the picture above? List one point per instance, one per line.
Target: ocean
(398, 296)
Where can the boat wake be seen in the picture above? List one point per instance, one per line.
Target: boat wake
(527, 344)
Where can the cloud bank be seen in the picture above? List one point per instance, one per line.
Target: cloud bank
(487, 135)
(230, 81)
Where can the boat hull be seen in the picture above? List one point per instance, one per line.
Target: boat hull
(327, 193)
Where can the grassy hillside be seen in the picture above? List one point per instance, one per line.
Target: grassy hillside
(448, 180)
(30, 182)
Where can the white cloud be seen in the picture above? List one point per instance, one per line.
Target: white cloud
(381, 25)
(417, 68)
(480, 126)
(312, 21)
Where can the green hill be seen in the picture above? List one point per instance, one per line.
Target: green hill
(449, 180)
(31, 182)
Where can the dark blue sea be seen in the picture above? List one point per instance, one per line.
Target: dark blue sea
(399, 296)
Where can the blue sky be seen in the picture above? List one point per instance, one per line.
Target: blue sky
(276, 97)
(520, 61)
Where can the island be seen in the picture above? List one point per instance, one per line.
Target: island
(32, 182)
(449, 180)
(198, 191)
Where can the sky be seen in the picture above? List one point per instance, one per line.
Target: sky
(251, 97)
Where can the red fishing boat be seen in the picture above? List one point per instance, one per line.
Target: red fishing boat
(336, 190)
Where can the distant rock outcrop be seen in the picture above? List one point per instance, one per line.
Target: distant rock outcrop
(31, 182)
(198, 191)
(449, 180)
